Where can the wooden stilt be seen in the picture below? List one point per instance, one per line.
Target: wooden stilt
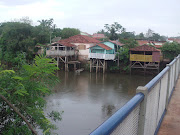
(130, 66)
(97, 66)
(144, 69)
(57, 62)
(67, 65)
(90, 65)
(104, 66)
(74, 66)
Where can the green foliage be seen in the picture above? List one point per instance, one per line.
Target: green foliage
(129, 43)
(170, 50)
(26, 89)
(114, 68)
(68, 32)
(114, 30)
(15, 38)
(127, 35)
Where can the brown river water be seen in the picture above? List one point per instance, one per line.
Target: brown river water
(89, 99)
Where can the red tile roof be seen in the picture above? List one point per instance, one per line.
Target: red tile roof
(143, 42)
(66, 43)
(145, 48)
(158, 46)
(174, 39)
(102, 46)
(81, 39)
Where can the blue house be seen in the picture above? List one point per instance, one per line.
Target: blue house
(101, 52)
(105, 50)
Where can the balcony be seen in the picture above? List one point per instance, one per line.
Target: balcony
(140, 57)
(59, 53)
(101, 56)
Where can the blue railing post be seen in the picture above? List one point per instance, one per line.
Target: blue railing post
(168, 85)
(143, 105)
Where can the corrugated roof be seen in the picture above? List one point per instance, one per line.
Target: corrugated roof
(145, 48)
(102, 46)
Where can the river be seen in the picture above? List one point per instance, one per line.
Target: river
(89, 99)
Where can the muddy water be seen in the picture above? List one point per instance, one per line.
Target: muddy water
(89, 99)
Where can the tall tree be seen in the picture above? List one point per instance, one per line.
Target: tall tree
(68, 32)
(114, 30)
(15, 38)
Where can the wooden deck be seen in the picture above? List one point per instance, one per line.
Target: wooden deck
(171, 121)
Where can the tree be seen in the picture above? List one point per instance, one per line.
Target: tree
(16, 38)
(68, 32)
(126, 35)
(140, 36)
(114, 30)
(44, 31)
(129, 43)
(170, 50)
(25, 90)
(149, 33)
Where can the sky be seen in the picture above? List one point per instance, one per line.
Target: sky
(162, 16)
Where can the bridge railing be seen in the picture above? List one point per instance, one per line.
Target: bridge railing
(143, 114)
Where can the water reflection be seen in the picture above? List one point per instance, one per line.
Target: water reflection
(89, 99)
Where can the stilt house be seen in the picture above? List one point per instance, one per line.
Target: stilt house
(101, 52)
(145, 57)
(63, 52)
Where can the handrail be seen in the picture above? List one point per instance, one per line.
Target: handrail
(152, 107)
(155, 80)
(110, 124)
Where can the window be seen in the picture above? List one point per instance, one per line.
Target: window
(82, 47)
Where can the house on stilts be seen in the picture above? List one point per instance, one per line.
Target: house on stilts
(102, 52)
(145, 57)
(64, 52)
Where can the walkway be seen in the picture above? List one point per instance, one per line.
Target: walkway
(171, 121)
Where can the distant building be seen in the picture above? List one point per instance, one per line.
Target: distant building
(102, 52)
(157, 44)
(98, 36)
(85, 34)
(145, 57)
(82, 44)
(173, 40)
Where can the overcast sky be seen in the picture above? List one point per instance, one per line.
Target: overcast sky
(162, 16)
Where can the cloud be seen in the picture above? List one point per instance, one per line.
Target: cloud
(90, 15)
(35, 10)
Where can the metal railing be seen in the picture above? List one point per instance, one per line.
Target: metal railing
(143, 114)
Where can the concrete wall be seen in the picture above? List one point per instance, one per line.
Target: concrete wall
(83, 54)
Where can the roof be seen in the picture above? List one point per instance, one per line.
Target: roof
(174, 39)
(116, 42)
(85, 33)
(64, 43)
(102, 46)
(143, 42)
(158, 46)
(98, 36)
(145, 48)
(81, 39)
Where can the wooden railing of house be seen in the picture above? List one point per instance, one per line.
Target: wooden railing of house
(60, 53)
(141, 57)
(101, 56)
